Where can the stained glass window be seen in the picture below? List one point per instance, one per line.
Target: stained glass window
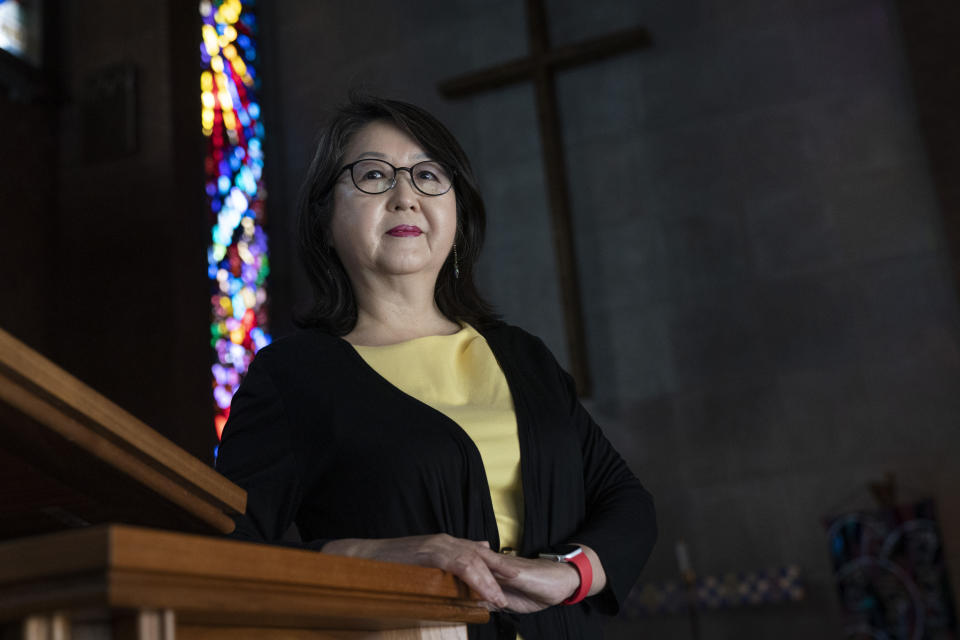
(237, 261)
(20, 29)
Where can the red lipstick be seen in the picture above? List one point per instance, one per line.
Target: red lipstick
(404, 231)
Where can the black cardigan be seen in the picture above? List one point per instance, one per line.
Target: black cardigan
(317, 437)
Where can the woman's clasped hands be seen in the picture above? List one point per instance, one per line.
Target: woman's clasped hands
(503, 581)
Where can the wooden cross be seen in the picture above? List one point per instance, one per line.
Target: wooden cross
(540, 66)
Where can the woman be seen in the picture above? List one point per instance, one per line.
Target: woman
(406, 422)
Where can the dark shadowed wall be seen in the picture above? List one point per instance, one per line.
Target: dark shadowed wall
(105, 253)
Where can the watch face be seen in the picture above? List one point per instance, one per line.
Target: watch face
(567, 550)
(562, 552)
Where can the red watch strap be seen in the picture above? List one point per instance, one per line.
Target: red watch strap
(582, 563)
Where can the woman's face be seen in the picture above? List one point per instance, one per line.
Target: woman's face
(399, 232)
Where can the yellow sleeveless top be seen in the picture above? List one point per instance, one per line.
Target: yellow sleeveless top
(459, 376)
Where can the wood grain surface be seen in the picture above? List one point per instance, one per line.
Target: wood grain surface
(212, 582)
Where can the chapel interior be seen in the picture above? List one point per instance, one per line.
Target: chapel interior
(764, 234)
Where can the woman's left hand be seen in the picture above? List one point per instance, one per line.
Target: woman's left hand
(541, 583)
(538, 584)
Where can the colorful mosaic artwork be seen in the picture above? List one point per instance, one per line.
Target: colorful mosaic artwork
(733, 589)
(237, 261)
(890, 574)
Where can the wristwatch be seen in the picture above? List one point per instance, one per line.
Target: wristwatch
(574, 555)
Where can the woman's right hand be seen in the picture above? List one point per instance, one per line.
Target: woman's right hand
(470, 560)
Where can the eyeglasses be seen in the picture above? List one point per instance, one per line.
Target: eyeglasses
(377, 176)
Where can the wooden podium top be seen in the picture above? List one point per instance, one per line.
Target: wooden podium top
(221, 583)
(70, 457)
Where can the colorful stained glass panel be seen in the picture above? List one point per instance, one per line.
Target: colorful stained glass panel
(237, 259)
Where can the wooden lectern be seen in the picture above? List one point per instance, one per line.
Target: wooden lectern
(109, 530)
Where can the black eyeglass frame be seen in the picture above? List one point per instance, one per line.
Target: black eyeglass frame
(396, 171)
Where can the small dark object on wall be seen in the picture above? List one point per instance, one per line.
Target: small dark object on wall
(108, 104)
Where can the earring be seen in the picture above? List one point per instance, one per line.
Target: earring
(456, 263)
